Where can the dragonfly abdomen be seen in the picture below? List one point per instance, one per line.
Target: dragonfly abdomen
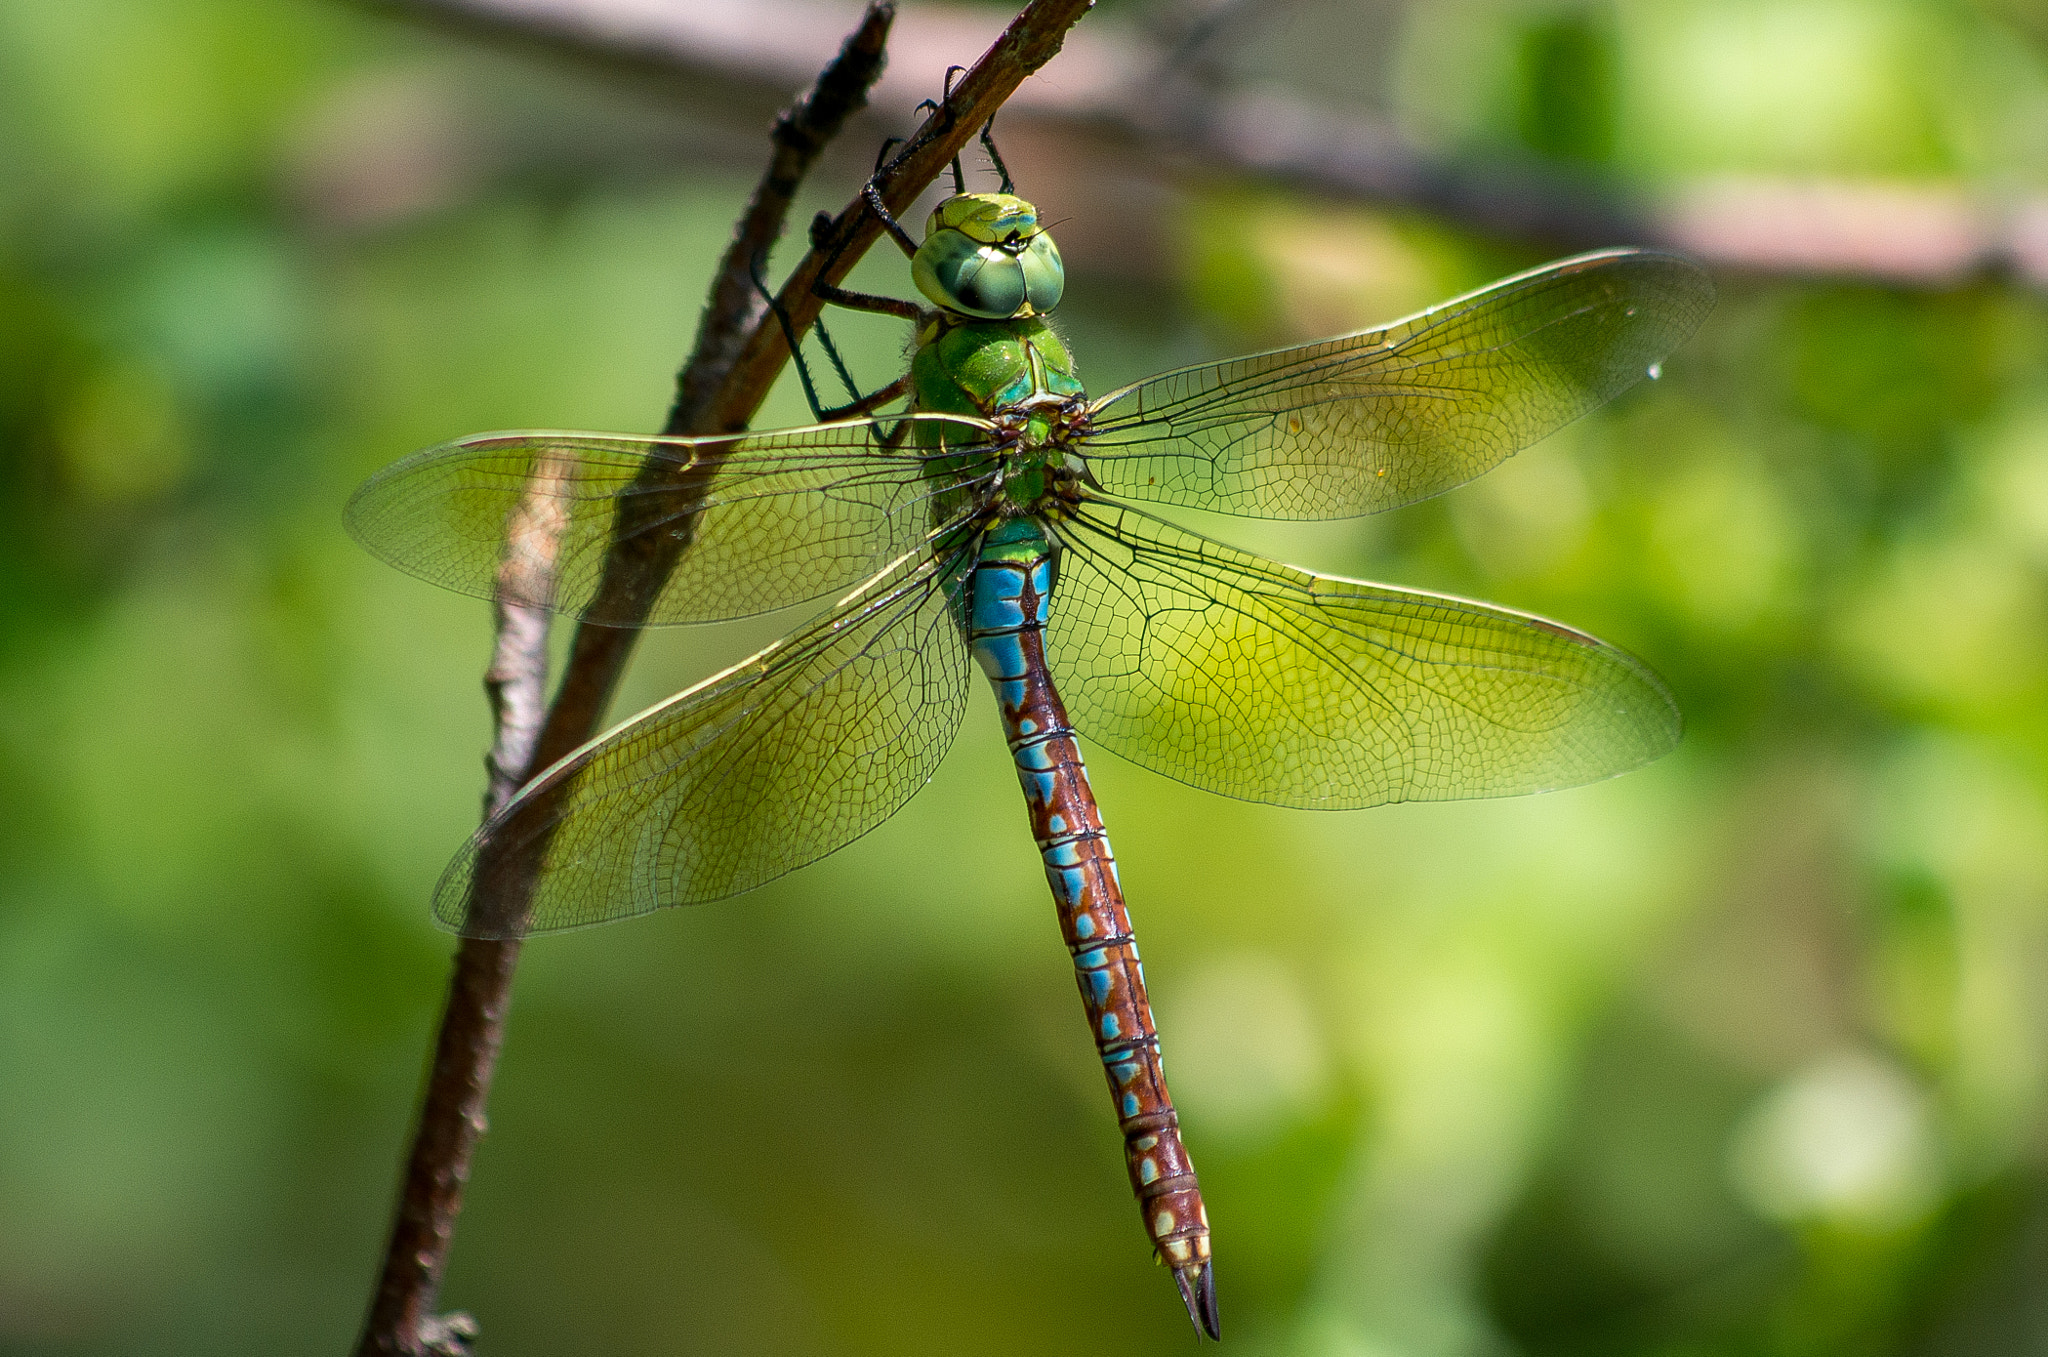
(1010, 593)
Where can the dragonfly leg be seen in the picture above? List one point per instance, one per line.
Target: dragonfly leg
(1006, 630)
(934, 106)
(796, 348)
(821, 239)
(821, 228)
(868, 301)
(860, 404)
(988, 143)
(872, 196)
(869, 403)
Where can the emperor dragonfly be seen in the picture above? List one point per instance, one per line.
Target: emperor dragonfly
(957, 523)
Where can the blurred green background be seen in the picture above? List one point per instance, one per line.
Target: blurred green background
(1746, 1052)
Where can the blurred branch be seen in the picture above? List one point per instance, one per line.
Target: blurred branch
(402, 1318)
(1117, 85)
(739, 352)
(473, 1020)
(517, 680)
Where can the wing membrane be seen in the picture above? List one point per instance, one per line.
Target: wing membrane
(771, 519)
(1264, 682)
(1369, 421)
(771, 765)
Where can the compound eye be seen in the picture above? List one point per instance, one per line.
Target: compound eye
(983, 281)
(1045, 277)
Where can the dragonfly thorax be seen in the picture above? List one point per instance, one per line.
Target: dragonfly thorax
(1017, 376)
(1040, 467)
(1043, 423)
(985, 256)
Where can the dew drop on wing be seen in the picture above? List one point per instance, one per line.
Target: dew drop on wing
(1656, 371)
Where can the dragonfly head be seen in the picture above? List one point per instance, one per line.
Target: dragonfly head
(985, 256)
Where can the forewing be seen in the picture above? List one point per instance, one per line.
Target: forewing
(773, 764)
(763, 520)
(1365, 422)
(1264, 682)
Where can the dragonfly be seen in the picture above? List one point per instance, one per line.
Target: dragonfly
(1000, 520)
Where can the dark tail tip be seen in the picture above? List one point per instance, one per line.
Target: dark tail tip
(1198, 1289)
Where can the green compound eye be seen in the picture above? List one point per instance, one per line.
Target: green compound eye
(989, 281)
(1045, 277)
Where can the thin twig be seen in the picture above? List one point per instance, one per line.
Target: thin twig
(738, 355)
(473, 1023)
(1118, 86)
(401, 1319)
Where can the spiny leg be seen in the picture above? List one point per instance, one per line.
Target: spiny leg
(959, 176)
(988, 143)
(821, 230)
(943, 106)
(871, 194)
(882, 156)
(821, 239)
(859, 405)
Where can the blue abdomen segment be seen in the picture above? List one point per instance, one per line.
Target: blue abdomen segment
(1006, 605)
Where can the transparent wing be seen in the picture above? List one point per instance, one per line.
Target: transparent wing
(1369, 421)
(771, 519)
(773, 764)
(1264, 682)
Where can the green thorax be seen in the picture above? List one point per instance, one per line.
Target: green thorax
(1010, 370)
(984, 367)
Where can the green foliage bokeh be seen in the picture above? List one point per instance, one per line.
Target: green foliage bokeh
(1743, 1053)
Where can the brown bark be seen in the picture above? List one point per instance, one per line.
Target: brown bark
(402, 1318)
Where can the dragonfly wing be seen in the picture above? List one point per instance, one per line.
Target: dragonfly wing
(1264, 682)
(1365, 422)
(766, 520)
(773, 764)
